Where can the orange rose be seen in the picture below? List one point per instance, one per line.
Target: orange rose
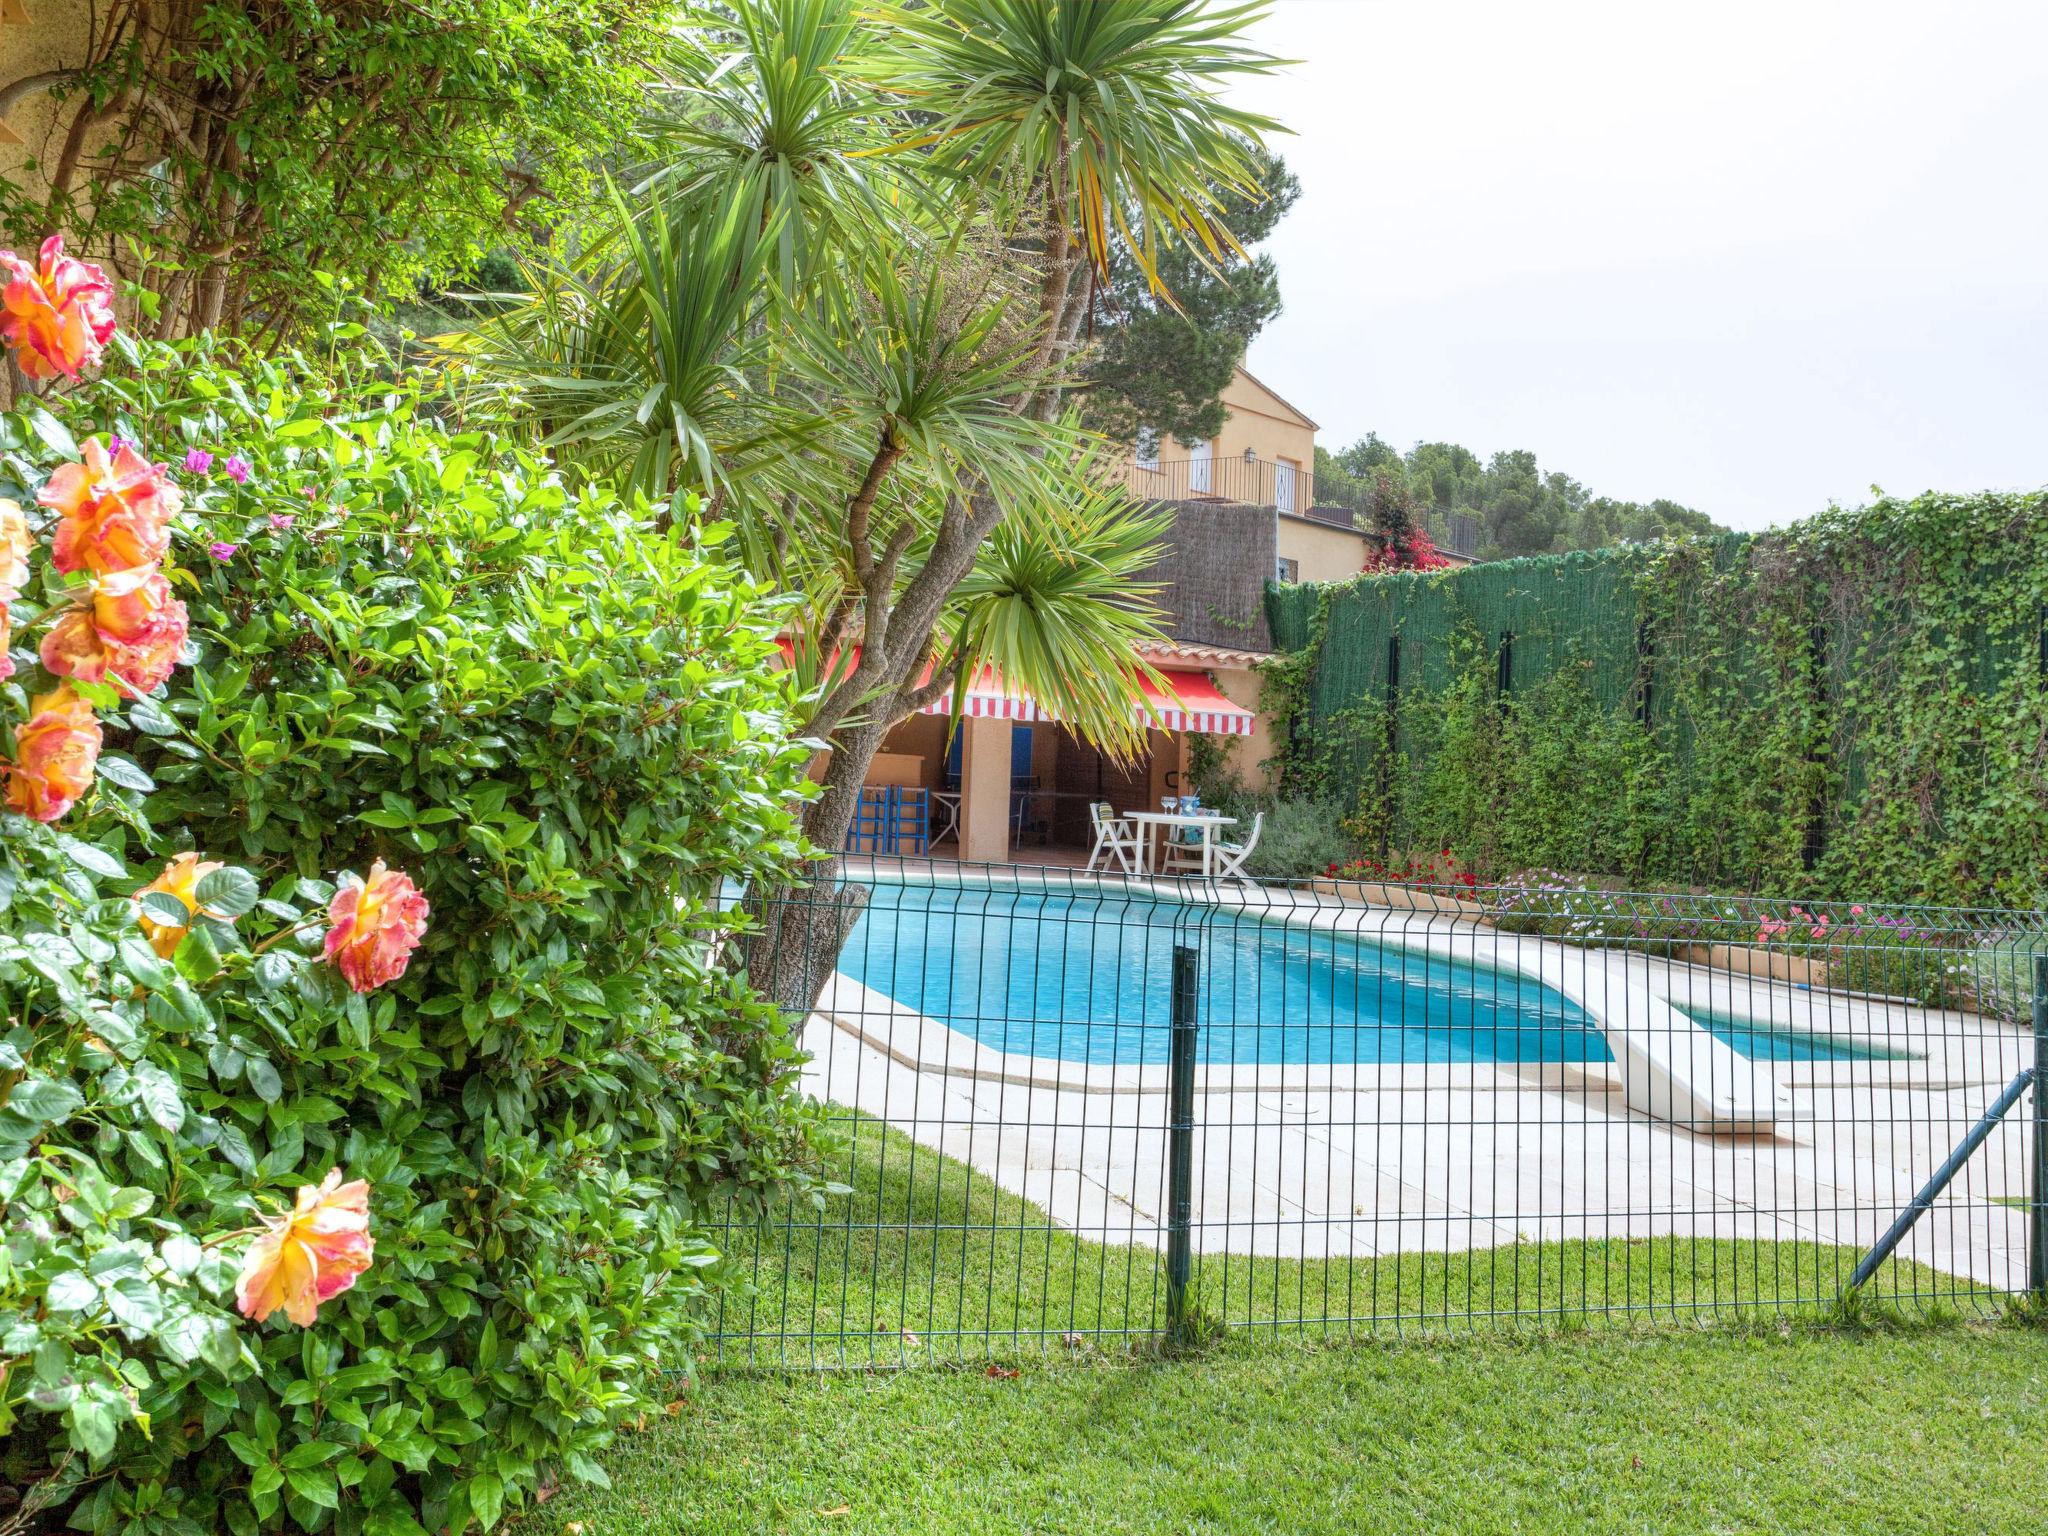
(310, 1254)
(15, 543)
(377, 925)
(181, 879)
(128, 627)
(54, 753)
(116, 511)
(58, 316)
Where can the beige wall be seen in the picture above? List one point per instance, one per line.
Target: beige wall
(1260, 421)
(37, 36)
(1322, 552)
(1244, 757)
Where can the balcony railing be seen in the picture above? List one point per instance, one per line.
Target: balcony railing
(1265, 483)
(1269, 486)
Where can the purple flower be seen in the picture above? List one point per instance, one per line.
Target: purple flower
(222, 550)
(280, 521)
(197, 461)
(237, 469)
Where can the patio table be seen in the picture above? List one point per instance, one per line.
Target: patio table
(1207, 824)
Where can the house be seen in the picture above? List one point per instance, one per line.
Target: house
(1244, 514)
(1263, 460)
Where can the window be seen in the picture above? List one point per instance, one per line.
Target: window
(1148, 448)
(1287, 570)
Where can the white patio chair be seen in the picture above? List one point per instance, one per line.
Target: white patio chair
(1114, 836)
(1230, 857)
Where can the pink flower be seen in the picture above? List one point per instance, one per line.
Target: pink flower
(114, 511)
(222, 550)
(310, 1254)
(1855, 911)
(377, 926)
(128, 628)
(197, 461)
(236, 469)
(57, 315)
(15, 543)
(281, 521)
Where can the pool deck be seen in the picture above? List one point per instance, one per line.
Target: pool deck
(1364, 1159)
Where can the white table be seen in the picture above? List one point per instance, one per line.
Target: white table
(1207, 824)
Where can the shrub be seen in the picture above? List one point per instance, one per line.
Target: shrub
(409, 644)
(1301, 838)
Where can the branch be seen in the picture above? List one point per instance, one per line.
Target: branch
(28, 85)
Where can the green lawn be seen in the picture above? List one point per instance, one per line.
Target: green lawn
(1936, 1430)
(922, 1261)
(1695, 1415)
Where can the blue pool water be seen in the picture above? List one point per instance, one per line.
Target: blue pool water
(1085, 976)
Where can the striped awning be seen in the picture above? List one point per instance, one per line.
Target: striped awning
(1192, 703)
(1188, 702)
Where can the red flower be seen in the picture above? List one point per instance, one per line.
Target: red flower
(377, 926)
(58, 315)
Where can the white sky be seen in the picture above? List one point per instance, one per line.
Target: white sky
(1752, 257)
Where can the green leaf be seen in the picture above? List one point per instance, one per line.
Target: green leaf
(487, 1498)
(93, 860)
(94, 1427)
(165, 910)
(158, 1094)
(55, 435)
(229, 891)
(316, 1485)
(71, 1290)
(44, 1100)
(263, 1080)
(124, 772)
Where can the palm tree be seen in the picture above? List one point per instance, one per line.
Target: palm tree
(843, 308)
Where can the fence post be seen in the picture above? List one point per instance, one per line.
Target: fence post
(2037, 1205)
(1180, 1138)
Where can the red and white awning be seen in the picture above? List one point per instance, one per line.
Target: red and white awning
(1190, 702)
(1187, 702)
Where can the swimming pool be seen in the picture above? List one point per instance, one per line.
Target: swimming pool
(1084, 976)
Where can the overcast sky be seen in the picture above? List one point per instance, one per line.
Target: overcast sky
(1754, 259)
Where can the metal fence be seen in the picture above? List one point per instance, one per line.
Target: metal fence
(1072, 1111)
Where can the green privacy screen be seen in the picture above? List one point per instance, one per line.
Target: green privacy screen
(1856, 701)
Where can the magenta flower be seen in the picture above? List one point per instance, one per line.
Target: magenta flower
(237, 469)
(222, 550)
(197, 461)
(281, 521)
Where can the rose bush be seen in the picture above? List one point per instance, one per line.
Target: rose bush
(552, 737)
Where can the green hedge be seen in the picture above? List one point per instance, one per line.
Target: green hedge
(409, 644)
(1854, 706)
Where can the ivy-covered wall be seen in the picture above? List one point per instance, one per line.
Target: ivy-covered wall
(1855, 706)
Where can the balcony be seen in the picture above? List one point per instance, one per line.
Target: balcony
(1264, 483)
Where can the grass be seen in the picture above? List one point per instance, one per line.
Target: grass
(1721, 1430)
(922, 1260)
(1697, 1412)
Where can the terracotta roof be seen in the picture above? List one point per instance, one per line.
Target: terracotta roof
(1201, 655)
